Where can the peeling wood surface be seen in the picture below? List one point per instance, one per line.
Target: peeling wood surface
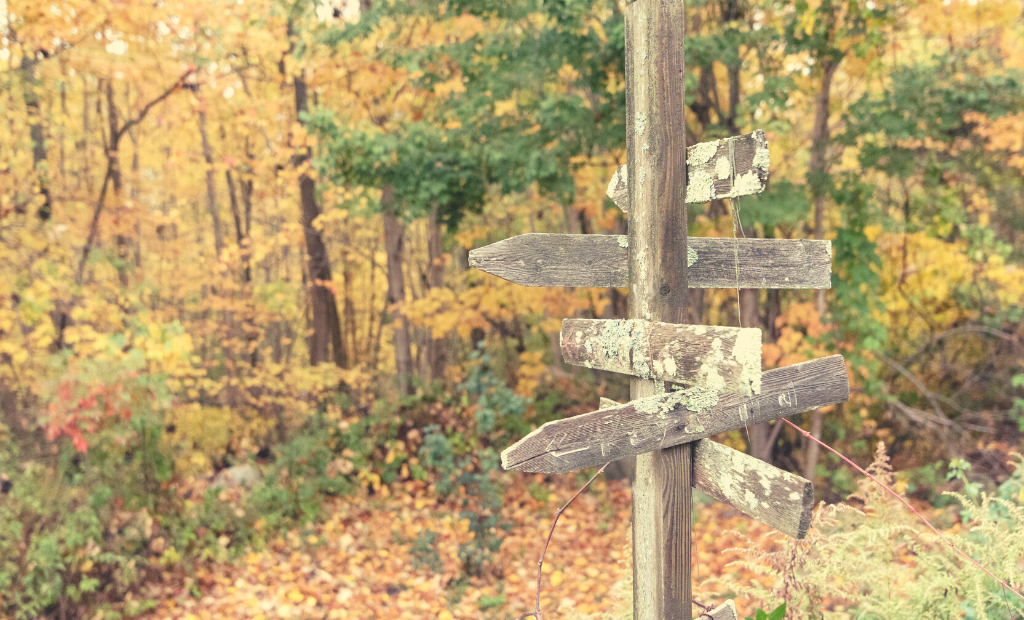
(724, 359)
(547, 259)
(677, 417)
(726, 168)
(774, 497)
(763, 492)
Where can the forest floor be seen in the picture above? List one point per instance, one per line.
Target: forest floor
(398, 556)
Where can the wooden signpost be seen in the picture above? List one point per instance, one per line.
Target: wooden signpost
(549, 259)
(723, 358)
(714, 373)
(676, 417)
(750, 485)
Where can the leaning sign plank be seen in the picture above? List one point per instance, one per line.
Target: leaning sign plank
(720, 358)
(727, 168)
(550, 259)
(674, 418)
(774, 497)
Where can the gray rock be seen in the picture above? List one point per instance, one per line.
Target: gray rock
(239, 475)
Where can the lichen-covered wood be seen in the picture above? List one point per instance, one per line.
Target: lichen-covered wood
(755, 488)
(548, 259)
(726, 168)
(724, 359)
(658, 291)
(677, 417)
(774, 497)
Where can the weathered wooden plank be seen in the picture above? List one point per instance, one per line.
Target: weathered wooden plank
(724, 359)
(774, 497)
(766, 493)
(656, 160)
(678, 417)
(618, 189)
(547, 259)
(726, 168)
(761, 263)
(725, 611)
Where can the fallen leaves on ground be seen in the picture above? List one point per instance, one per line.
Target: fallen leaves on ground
(363, 560)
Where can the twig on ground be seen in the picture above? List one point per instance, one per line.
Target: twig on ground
(907, 504)
(540, 563)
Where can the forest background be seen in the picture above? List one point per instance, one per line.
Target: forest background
(246, 370)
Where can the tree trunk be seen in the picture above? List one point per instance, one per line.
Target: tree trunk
(246, 182)
(117, 183)
(350, 312)
(818, 166)
(435, 279)
(819, 179)
(211, 187)
(326, 328)
(83, 175)
(28, 72)
(394, 233)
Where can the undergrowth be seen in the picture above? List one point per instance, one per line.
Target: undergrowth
(873, 558)
(81, 530)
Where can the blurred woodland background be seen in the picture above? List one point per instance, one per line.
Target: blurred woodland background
(246, 370)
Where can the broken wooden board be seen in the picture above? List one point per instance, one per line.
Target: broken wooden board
(727, 168)
(763, 492)
(677, 417)
(550, 259)
(724, 359)
(725, 611)
(774, 497)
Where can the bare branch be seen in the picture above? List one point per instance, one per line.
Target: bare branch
(149, 106)
(967, 329)
(111, 151)
(540, 564)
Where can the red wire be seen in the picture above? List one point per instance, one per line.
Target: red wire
(905, 503)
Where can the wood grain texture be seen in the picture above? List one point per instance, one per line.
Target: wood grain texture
(726, 359)
(546, 259)
(774, 497)
(726, 168)
(678, 417)
(656, 161)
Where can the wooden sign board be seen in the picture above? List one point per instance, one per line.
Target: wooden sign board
(774, 497)
(724, 359)
(665, 420)
(548, 259)
(726, 168)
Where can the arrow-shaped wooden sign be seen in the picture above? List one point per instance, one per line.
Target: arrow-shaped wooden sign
(673, 418)
(726, 168)
(723, 359)
(548, 259)
(774, 497)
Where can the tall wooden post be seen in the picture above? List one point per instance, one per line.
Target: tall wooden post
(656, 152)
